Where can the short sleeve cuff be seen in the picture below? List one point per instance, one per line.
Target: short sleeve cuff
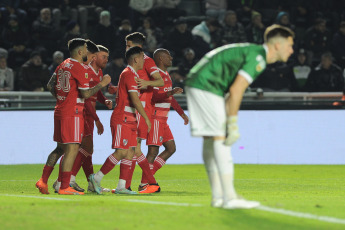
(246, 76)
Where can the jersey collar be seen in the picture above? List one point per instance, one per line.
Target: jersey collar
(131, 68)
(90, 66)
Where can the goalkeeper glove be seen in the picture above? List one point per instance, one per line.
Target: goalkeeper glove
(232, 130)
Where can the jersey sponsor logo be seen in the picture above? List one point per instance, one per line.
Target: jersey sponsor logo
(60, 98)
(166, 89)
(125, 142)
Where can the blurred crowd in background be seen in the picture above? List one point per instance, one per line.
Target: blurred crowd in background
(34, 35)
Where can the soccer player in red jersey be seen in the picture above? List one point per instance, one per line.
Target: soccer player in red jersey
(93, 49)
(149, 77)
(124, 123)
(70, 86)
(84, 157)
(162, 100)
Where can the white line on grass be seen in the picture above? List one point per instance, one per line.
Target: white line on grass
(263, 208)
(38, 197)
(165, 203)
(302, 215)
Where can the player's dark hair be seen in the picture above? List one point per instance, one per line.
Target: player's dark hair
(75, 43)
(92, 47)
(136, 38)
(103, 48)
(277, 31)
(133, 51)
(157, 53)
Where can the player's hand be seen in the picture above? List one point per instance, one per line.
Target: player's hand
(106, 80)
(232, 130)
(109, 104)
(112, 89)
(148, 122)
(100, 128)
(142, 84)
(185, 118)
(176, 90)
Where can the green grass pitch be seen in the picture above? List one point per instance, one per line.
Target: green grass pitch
(308, 191)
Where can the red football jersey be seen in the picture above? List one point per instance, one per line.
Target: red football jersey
(162, 107)
(95, 78)
(124, 109)
(71, 75)
(146, 74)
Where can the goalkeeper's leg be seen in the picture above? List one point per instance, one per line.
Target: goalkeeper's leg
(212, 172)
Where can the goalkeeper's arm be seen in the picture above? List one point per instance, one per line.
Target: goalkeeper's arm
(232, 105)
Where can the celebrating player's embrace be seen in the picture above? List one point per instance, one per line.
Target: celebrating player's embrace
(143, 100)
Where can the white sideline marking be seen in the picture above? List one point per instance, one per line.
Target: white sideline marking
(302, 215)
(38, 197)
(261, 207)
(165, 203)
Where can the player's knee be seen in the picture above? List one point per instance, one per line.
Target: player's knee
(59, 150)
(171, 149)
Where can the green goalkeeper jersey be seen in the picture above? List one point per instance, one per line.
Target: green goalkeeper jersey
(217, 70)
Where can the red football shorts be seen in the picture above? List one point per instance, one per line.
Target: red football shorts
(142, 127)
(89, 125)
(124, 136)
(159, 133)
(68, 129)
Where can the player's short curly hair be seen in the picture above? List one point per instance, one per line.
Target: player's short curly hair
(136, 38)
(75, 43)
(276, 30)
(133, 51)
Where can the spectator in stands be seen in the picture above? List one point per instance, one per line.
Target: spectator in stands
(255, 30)
(45, 34)
(277, 77)
(187, 63)
(317, 40)
(153, 34)
(140, 9)
(326, 77)
(233, 31)
(58, 58)
(301, 70)
(284, 20)
(338, 45)
(104, 32)
(34, 74)
(12, 8)
(72, 31)
(203, 34)
(164, 11)
(14, 32)
(18, 55)
(6, 74)
(121, 33)
(216, 9)
(178, 39)
(115, 67)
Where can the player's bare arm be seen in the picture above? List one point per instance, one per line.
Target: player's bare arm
(157, 82)
(139, 107)
(51, 85)
(236, 91)
(89, 92)
(176, 90)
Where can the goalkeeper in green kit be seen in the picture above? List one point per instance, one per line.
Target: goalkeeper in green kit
(228, 69)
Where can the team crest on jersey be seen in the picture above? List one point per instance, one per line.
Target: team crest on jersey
(160, 139)
(261, 65)
(86, 75)
(125, 142)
